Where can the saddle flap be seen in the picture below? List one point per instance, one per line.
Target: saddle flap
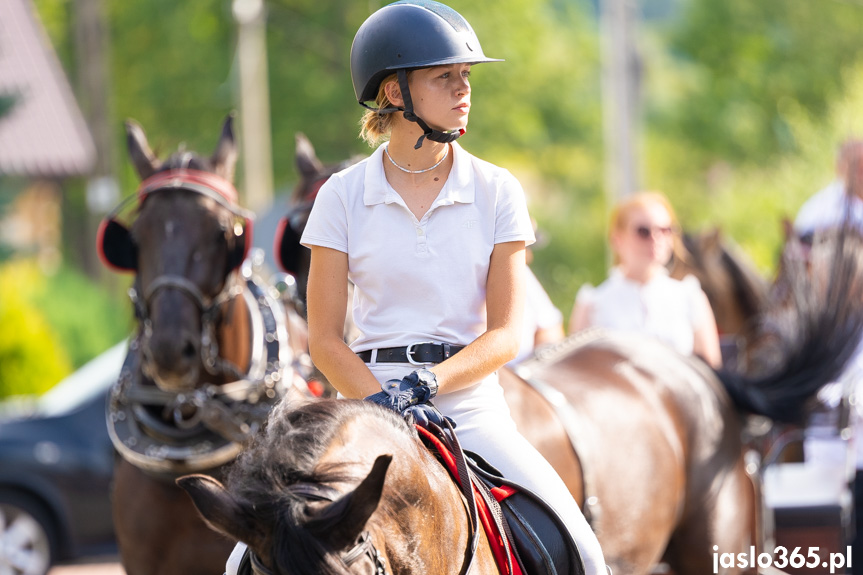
(542, 542)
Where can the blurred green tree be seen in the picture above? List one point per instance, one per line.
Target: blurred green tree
(750, 63)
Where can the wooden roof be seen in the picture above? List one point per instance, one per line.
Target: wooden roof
(44, 134)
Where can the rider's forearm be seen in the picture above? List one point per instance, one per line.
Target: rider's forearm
(342, 367)
(485, 355)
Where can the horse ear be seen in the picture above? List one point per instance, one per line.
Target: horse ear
(343, 521)
(307, 160)
(787, 229)
(145, 161)
(224, 159)
(221, 510)
(713, 239)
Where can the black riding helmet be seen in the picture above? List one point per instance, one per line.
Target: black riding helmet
(406, 35)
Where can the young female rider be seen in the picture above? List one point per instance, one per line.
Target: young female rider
(434, 241)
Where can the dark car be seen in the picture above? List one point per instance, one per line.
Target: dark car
(56, 466)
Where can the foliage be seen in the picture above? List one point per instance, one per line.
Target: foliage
(750, 200)
(751, 64)
(50, 325)
(6, 104)
(31, 356)
(741, 102)
(172, 66)
(82, 314)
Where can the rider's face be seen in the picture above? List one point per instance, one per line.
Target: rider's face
(441, 95)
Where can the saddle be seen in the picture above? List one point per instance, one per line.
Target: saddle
(526, 535)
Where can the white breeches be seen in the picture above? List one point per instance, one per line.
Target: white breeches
(484, 425)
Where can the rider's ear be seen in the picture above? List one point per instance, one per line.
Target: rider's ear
(394, 93)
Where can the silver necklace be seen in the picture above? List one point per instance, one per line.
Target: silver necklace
(407, 171)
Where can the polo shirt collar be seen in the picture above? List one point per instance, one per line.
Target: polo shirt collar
(460, 186)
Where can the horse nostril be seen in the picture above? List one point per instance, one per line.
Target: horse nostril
(188, 350)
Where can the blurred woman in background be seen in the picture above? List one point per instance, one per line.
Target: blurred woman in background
(638, 295)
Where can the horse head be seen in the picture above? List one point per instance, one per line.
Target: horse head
(185, 242)
(294, 258)
(337, 487)
(734, 288)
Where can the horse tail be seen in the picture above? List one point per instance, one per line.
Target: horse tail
(812, 334)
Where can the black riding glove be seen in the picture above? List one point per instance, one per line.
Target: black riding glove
(424, 414)
(400, 394)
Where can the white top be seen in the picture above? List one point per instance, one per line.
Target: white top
(539, 313)
(664, 307)
(826, 209)
(423, 280)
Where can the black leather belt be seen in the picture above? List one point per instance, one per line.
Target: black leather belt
(415, 353)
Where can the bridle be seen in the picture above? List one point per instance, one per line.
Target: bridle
(210, 423)
(364, 547)
(210, 309)
(224, 416)
(224, 194)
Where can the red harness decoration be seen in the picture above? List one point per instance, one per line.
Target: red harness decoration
(494, 536)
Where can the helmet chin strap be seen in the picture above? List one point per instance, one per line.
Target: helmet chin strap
(428, 132)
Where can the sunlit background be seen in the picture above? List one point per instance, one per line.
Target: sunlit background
(735, 111)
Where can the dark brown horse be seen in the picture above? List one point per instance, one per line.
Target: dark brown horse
(214, 350)
(737, 292)
(650, 442)
(291, 256)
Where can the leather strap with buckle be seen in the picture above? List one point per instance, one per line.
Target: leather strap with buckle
(416, 353)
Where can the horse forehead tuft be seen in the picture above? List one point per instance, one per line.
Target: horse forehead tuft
(362, 437)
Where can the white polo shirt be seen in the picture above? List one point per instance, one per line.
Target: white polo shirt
(664, 307)
(423, 280)
(827, 208)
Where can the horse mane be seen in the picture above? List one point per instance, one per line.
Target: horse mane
(750, 288)
(288, 452)
(184, 159)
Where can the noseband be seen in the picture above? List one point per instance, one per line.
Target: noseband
(209, 308)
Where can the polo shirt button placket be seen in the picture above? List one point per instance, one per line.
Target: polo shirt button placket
(422, 246)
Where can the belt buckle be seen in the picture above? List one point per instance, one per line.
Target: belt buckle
(409, 352)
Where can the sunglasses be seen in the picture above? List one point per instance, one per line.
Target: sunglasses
(646, 232)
